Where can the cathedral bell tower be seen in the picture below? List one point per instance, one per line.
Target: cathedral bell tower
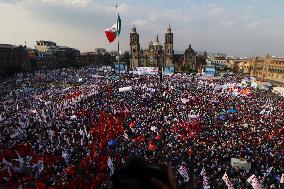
(134, 48)
(169, 47)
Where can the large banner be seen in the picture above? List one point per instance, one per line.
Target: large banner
(170, 70)
(122, 68)
(147, 71)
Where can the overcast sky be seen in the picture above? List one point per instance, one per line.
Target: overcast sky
(235, 27)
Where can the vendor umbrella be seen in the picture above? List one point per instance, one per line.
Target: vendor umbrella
(232, 110)
(112, 142)
(138, 125)
(152, 147)
(132, 124)
(223, 117)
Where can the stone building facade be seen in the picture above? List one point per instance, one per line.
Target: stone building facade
(52, 56)
(157, 55)
(88, 58)
(269, 67)
(13, 59)
(134, 49)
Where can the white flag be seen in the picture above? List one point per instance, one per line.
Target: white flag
(202, 171)
(122, 160)
(20, 160)
(282, 179)
(183, 172)
(254, 182)
(268, 171)
(65, 156)
(8, 166)
(110, 165)
(38, 168)
(227, 181)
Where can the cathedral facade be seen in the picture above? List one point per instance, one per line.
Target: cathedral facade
(157, 55)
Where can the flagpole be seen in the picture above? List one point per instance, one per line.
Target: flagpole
(118, 56)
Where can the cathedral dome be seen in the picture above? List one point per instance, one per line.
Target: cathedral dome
(157, 43)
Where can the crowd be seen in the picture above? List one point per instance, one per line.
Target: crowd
(71, 128)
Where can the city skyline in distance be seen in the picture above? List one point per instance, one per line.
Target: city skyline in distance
(242, 28)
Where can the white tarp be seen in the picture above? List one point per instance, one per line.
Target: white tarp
(261, 85)
(240, 163)
(125, 89)
(278, 90)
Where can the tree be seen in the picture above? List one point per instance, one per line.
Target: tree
(125, 57)
(105, 58)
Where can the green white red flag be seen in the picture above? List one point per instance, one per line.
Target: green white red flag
(114, 31)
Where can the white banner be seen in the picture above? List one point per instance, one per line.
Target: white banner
(227, 181)
(254, 182)
(147, 70)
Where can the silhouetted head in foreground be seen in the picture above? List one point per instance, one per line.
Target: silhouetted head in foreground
(137, 174)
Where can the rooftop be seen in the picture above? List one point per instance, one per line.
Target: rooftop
(7, 46)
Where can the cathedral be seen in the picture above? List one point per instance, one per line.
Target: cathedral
(155, 55)
(161, 56)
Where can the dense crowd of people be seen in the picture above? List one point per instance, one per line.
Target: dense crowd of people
(62, 128)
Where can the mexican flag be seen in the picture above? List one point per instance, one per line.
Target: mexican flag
(114, 31)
